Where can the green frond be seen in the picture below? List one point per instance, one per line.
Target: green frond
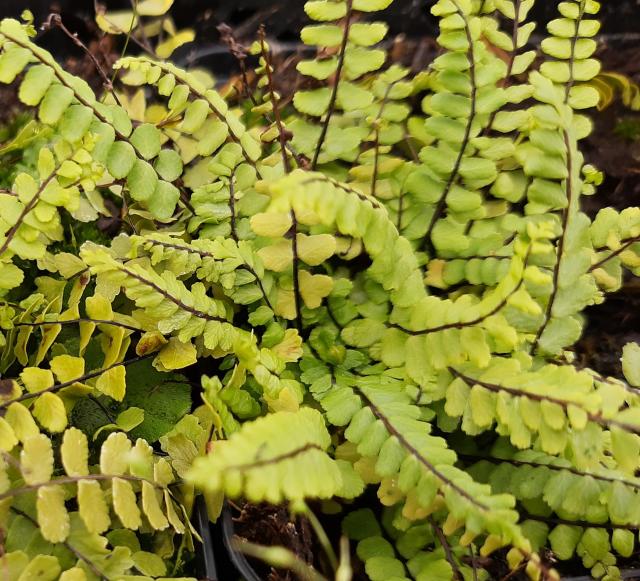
(257, 461)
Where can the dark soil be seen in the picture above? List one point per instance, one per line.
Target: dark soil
(272, 526)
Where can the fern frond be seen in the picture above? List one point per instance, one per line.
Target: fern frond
(256, 462)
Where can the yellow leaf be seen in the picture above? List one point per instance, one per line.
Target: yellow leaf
(75, 453)
(49, 410)
(124, 504)
(36, 379)
(74, 574)
(99, 307)
(314, 250)
(119, 22)
(68, 265)
(5, 482)
(154, 7)
(152, 507)
(114, 454)
(86, 332)
(112, 383)
(285, 304)
(290, 348)
(11, 564)
(53, 517)
(8, 438)
(150, 342)
(36, 460)
(272, 225)
(22, 422)
(42, 568)
(287, 401)
(9, 390)
(175, 355)
(172, 515)
(314, 288)
(165, 49)
(67, 368)
(278, 256)
(93, 506)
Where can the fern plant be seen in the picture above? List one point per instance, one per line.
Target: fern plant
(377, 287)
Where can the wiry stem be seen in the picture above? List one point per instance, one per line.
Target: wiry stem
(334, 92)
(282, 135)
(563, 403)
(55, 20)
(441, 204)
(296, 272)
(378, 413)
(82, 378)
(457, 576)
(566, 216)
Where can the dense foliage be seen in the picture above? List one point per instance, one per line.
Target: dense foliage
(377, 286)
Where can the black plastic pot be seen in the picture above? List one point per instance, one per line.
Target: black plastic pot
(218, 560)
(221, 562)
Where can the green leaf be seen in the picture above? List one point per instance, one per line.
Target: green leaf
(371, 5)
(142, 181)
(315, 102)
(169, 165)
(146, 138)
(195, 116)
(93, 506)
(564, 540)
(35, 84)
(631, 363)
(55, 103)
(326, 10)
(324, 35)
(130, 418)
(164, 397)
(162, 203)
(121, 159)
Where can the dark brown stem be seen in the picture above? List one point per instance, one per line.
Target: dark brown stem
(204, 254)
(441, 204)
(25, 211)
(475, 321)
(553, 467)
(517, 392)
(174, 300)
(334, 92)
(579, 523)
(55, 21)
(457, 576)
(282, 135)
(626, 244)
(85, 377)
(274, 460)
(232, 206)
(296, 273)
(74, 480)
(378, 413)
(566, 215)
(75, 321)
(572, 58)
